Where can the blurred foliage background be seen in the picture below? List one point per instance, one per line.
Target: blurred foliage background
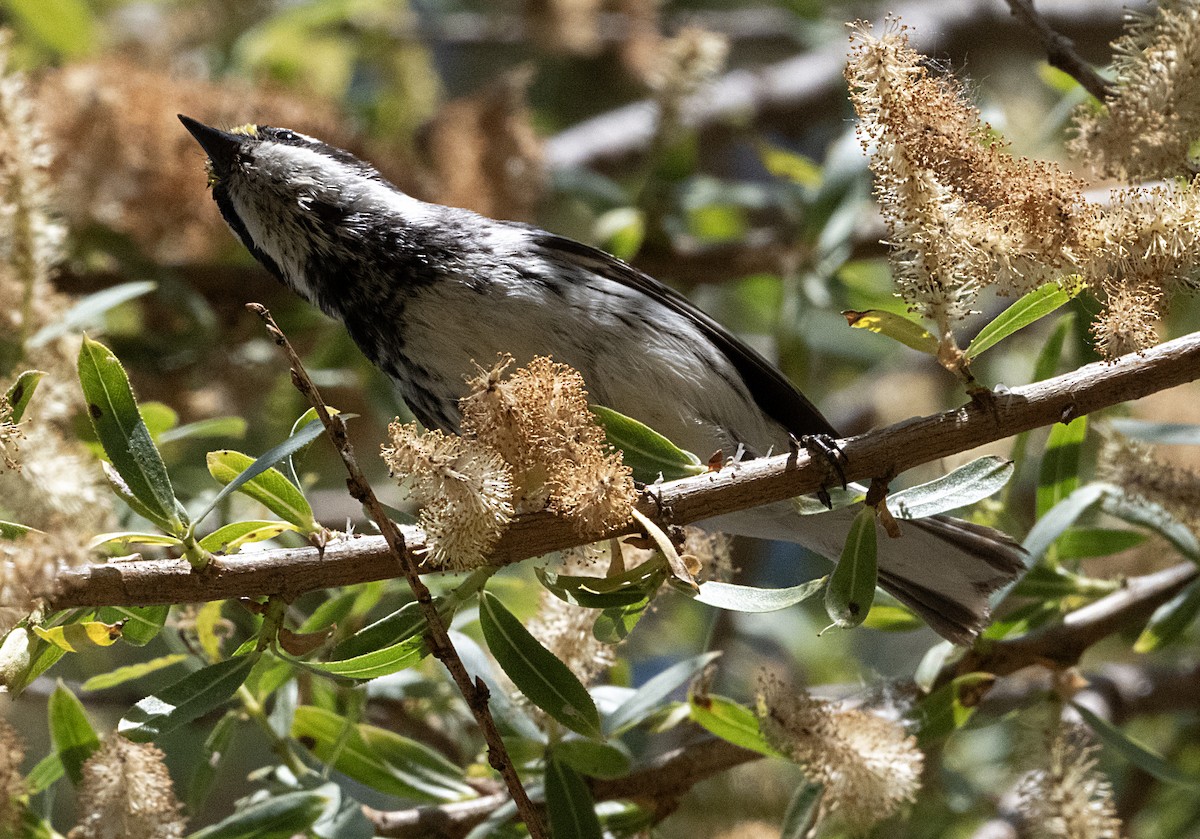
(747, 191)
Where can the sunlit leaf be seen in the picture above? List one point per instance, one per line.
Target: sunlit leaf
(731, 722)
(133, 671)
(230, 538)
(949, 707)
(20, 393)
(73, 637)
(645, 451)
(614, 625)
(12, 530)
(258, 479)
(123, 434)
(139, 624)
(623, 589)
(1027, 309)
(1170, 620)
(753, 599)
(1059, 475)
(71, 731)
(1055, 521)
(121, 540)
(655, 691)
(65, 27)
(894, 326)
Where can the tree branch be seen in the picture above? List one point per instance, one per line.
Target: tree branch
(1060, 50)
(292, 571)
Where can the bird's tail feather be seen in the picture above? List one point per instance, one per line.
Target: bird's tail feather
(942, 568)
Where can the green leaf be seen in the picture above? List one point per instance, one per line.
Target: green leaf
(121, 540)
(372, 665)
(20, 394)
(647, 699)
(624, 589)
(159, 418)
(117, 484)
(46, 772)
(73, 637)
(644, 450)
(851, 588)
(752, 599)
(180, 703)
(71, 731)
(795, 167)
(1053, 581)
(614, 625)
(1170, 619)
(1135, 752)
(569, 803)
(537, 672)
(802, 812)
(892, 617)
(592, 757)
(977, 480)
(380, 759)
(132, 671)
(204, 429)
(1059, 475)
(277, 817)
(944, 711)
(11, 530)
(731, 722)
(894, 326)
(124, 436)
(230, 538)
(139, 624)
(1055, 521)
(1149, 514)
(65, 27)
(258, 479)
(1087, 542)
(215, 747)
(400, 625)
(621, 231)
(1028, 309)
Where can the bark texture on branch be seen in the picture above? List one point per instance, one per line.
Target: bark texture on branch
(888, 451)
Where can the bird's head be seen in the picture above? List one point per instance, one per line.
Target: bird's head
(297, 203)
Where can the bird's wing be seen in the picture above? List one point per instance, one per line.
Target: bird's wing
(777, 397)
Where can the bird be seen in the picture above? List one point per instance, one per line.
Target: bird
(425, 290)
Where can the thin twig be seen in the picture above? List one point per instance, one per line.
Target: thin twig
(441, 647)
(1060, 50)
(293, 571)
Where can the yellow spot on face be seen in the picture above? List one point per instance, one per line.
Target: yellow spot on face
(249, 129)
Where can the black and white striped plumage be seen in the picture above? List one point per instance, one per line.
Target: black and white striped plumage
(425, 291)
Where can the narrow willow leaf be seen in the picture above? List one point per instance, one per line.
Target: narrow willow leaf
(230, 538)
(785, 163)
(89, 310)
(1053, 581)
(645, 451)
(569, 803)
(381, 759)
(949, 707)
(400, 625)
(1029, 308)
(1055, 521)
(205, 429)
(21, 392)
(1135, 752)
(802, 812)
(120, 541)
(752, 599)
(647, 699)
(1059, 475)
(372, 665)
(508, 713)
(11, 530)
(126, 440)
(851, 588)
(45, 772)
(614, 625)
(133, 671)
(537, 672)
(1044, 367)
(159, 418)
(894, 326)
(593, 758)
(215, 747)
(977, 480)
(139, 624)
(1087, 542)
(73, 637)
(120, 489)
(277, 817)
(731, 722)
(1149, 514)
(1158, 433)
(258, 479)
(1170, 620)
(71, 732)
(185, 700)
(624, 589)
(892, 617)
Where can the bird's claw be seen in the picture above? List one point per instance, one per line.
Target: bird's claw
(826, 447)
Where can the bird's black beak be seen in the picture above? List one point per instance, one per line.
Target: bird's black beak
(220, 146)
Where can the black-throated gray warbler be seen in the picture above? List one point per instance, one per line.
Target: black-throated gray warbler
(426, 290)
